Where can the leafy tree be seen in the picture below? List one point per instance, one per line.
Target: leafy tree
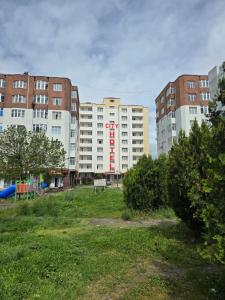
(188, 165)
(213, 213)
(23, 152)
(196, 179)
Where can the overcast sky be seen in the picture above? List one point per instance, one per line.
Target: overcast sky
(123, 48)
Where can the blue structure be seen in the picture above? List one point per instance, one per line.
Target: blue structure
(8, 192)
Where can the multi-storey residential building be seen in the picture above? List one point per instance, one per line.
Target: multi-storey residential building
(178, 105)
(215, 74)
(112, 137)
(43, 103)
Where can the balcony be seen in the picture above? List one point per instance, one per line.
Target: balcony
(137, 120)
(85, 142)
(85, 124)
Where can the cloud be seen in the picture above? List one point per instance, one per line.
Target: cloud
(129, 49)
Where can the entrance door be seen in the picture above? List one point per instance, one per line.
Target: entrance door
(56, 181)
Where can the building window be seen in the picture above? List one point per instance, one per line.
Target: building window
(193, 110)
(86, 117)
(124, 110)
(190, 84)
(192, 97)
(74, 95)
(73, 106)
(137, 110)
(100, 117)
(2, 83)
(99, 149)
(162, 99)
(57, 87)
(173, 126)
(56, 115)
(162, 111)
(100, 125)
(19, 84)
(204, 110)
(56, 130)
(72, 161)
(124, 118)
(39, 127)
(99, 166)
(72, 146)
(173, 90)
(100, 109)
(99, 158)
(170, 102)
(124, 157)
(72, 133)
(170, 90)
(18, 113)
(137, 125)
(2, 97)
(112, 107)
(86, 108)
(40, 113)
(205, 96)
(99, 141)
(57, 101)
(100, 133)
(1, 112)
(204, 83)
(41, 99)
(124, 149)
(124, 133)
(112, 114)
(41, 85)
(124, 142)
(173, 115)
(124, 166)
(124, 125)
(73, 120)
(19, 99)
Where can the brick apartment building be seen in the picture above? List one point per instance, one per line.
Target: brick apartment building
(43, 103)
(178, 105)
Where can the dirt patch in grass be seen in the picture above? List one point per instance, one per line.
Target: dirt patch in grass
(108, 222)
(148, 280)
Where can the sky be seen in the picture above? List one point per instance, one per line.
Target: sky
(119, 48)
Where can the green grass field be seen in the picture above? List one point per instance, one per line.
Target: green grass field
(51, 249)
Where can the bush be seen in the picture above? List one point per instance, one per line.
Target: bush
(145, 185)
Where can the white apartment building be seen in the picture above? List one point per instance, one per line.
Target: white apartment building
(112, 137)
(50, 104)
(177, 106)
(215, 74)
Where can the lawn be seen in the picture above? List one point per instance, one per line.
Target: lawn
(50, 249)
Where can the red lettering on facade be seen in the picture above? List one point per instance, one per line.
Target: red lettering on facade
(111, 157)
(111, 145)
(112, 134)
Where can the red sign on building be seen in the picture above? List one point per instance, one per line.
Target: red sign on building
(112, 144)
